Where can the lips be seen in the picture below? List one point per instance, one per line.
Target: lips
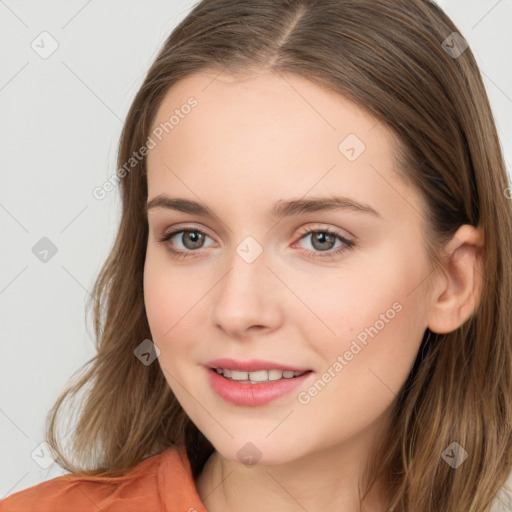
(252, 365)
(252, 394)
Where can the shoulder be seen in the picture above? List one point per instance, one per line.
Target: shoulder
(154, 484)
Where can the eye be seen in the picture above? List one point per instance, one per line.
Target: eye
(323, 240)
(191, 240)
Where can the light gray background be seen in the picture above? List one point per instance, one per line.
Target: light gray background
(61, 120)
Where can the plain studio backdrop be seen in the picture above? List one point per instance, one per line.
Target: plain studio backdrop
(69, 73)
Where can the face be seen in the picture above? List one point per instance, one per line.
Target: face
(339, 292)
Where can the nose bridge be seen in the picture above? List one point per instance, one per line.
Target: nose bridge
(246, 297)
(248, 269)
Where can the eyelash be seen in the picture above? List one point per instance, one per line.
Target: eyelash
(331, 254)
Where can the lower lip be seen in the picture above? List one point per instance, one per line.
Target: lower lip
(243, 393)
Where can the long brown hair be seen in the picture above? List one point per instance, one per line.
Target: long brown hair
(389, 58)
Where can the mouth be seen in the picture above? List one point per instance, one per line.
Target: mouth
(254, 382)
(259, 376)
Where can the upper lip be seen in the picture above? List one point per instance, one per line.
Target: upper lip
(252, 365)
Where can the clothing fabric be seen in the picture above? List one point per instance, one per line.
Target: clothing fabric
(160, 483)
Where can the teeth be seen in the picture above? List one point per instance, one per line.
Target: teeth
(257, 376)
(236, 375)
(275, 374)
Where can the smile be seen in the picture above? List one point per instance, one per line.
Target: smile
(244, 388)
(258, 376)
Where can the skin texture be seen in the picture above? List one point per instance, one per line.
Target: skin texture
(252, 141)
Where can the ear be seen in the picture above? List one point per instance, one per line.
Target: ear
(458, 289)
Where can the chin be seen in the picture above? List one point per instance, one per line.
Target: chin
(256, 453)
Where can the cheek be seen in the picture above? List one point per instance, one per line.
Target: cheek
(158, 300)
(176, 306)
(346, 302)
(167, 296)
(373, 317)
(366, 364)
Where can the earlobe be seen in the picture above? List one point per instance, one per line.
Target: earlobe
(461, 281)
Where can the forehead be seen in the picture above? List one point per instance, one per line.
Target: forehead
(270, 135)
(268, 102)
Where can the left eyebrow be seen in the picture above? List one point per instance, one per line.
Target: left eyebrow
(279, 210)
(301, 206)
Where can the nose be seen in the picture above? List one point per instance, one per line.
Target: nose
(248, 298)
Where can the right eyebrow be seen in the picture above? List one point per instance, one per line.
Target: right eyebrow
(181, 205)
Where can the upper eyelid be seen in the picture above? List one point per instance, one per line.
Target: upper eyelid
(175, 230)
(316, 226)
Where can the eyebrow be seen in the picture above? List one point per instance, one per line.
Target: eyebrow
(280, 209)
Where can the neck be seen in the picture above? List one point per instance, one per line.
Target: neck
(325, 480)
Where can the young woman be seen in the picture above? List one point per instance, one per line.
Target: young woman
(307, 306)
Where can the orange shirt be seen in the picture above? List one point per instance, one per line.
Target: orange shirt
(159, 483)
